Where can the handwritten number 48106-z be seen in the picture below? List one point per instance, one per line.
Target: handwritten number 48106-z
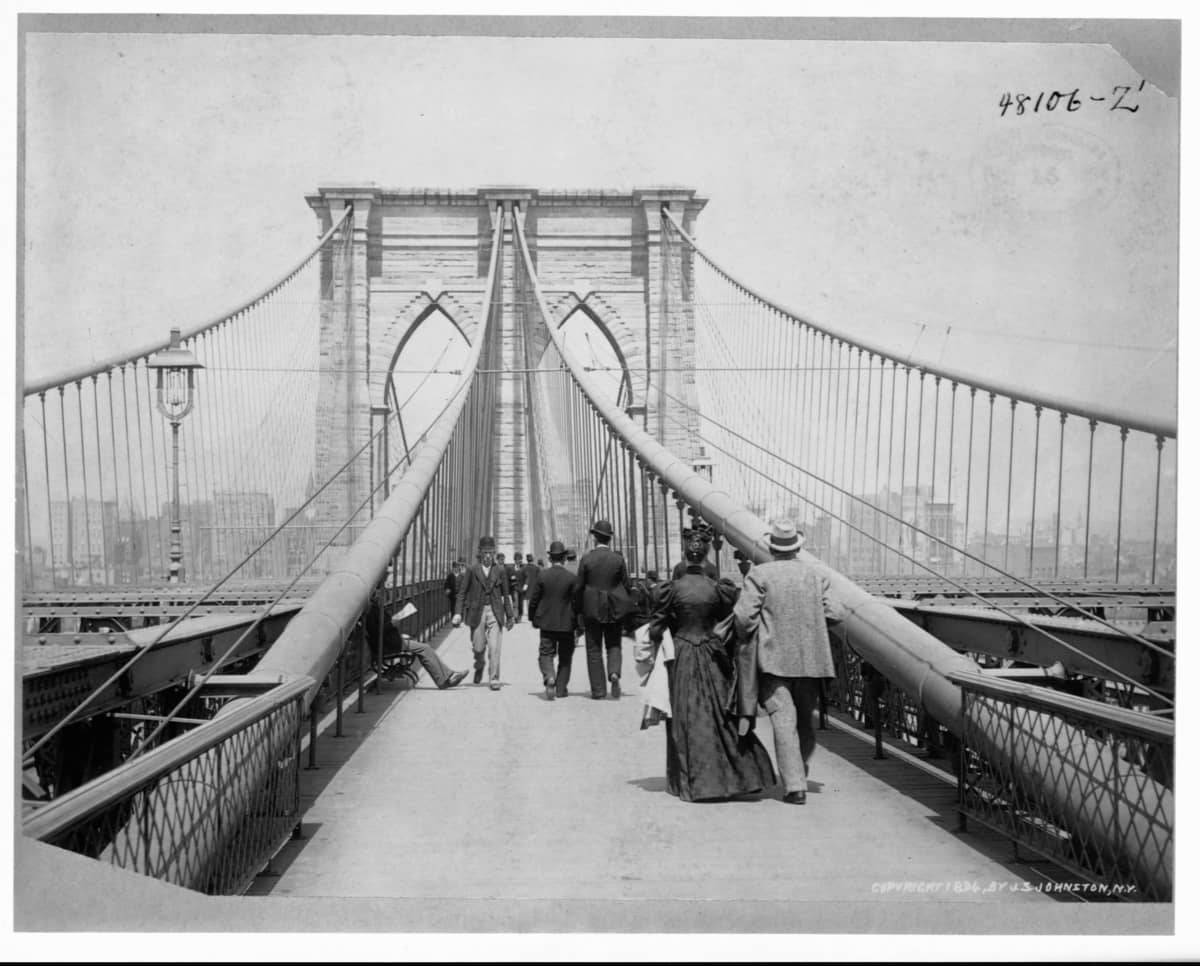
(1044, 101)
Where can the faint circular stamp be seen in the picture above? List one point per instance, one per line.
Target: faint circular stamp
(1047, 169)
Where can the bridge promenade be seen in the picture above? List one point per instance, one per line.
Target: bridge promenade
(320, 504)
(468, 810)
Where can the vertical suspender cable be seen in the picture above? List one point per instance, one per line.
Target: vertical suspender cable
(1062, 429)
(903, 467)
(28, 549)
(1120, 503)
(1037, 438)
(1158, 445)
(950, 472)
(878, 455)
(987, 487)
(49, 499)
(70, 514)
(887, 525)
(112, 439)
(104, 543)
(87, 517)
(970, 462)
(912, 566)
(1012, 431)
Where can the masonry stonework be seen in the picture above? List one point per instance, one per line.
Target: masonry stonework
(376, 294)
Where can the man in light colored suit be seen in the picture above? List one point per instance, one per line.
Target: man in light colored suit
(783, 652)
(483, 600)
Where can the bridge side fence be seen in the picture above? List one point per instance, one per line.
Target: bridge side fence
(913, 660)
(182, 825)
(196, 780)
(1126, 845)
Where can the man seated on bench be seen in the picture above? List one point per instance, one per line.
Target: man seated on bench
(394, 642)
(442, 676)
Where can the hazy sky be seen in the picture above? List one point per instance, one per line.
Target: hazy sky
(871, 186)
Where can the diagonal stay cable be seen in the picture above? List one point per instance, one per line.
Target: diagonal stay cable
(167, 628)
(913, 527)
(224, 658)
(1019, 618)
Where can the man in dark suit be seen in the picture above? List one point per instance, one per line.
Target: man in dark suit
(602, 599)
(552, 612)
(512, 570)
(529, 572)
(451, 584)
(484, 601)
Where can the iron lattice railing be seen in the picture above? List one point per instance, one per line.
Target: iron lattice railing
(1110, 816)
(146, 816)
(863, 693)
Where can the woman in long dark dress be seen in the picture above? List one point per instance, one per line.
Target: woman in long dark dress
(705, 757)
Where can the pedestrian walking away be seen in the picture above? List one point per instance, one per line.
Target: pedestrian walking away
(603, 600)
(485, 605)
(529, 572)
(783, 651)
(552, 612)
(453, 576)
(510, 578)
(707, 758)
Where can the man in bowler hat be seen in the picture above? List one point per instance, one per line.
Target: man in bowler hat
(603, 599)
(552, 612)
(484, 601)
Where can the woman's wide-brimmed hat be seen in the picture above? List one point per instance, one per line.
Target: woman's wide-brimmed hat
(783, 537)
(603, 528)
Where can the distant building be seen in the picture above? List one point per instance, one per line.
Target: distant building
(81, 540)
(940, 525)
(241, 521)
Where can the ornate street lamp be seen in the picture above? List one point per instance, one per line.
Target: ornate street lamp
(176, 396)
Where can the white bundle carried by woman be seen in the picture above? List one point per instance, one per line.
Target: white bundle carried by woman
(651, 660)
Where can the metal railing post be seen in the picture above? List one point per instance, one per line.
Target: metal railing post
(340, 685)
(312, 737)
(962, 764)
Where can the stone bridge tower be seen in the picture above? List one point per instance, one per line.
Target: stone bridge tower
(639, 292)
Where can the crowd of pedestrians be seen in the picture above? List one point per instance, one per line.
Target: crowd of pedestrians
(711, 651)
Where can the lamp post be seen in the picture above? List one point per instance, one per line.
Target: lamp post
(176, 396)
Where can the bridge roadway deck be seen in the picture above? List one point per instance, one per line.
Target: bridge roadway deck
(473, 810)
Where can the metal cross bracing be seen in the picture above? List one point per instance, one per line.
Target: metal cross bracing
(595, 455)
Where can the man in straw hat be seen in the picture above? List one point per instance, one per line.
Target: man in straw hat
(483, 599)
(552, 612)
(783, 651)
(603, 600)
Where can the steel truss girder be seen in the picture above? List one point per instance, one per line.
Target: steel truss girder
(1003, 636)
(63, 669)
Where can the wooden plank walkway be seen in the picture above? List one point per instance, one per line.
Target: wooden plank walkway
(472, 810)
